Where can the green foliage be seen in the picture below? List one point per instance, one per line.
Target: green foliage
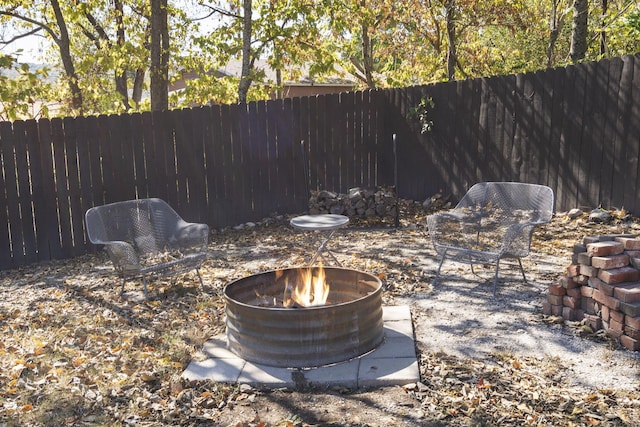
(422, 113)
(406, 40)
(20, 95)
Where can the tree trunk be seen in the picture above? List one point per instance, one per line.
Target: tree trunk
(555, 25)
(245, 76)
(121, 76)
(138, 84)
(579, 30)
(603, 32)
(452, 56)
(67, 62)
(159, 56)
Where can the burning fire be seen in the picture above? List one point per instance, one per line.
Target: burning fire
(310, 288)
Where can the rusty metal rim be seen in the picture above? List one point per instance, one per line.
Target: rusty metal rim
(288, 309)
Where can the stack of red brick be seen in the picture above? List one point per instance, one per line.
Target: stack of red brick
(602, 288)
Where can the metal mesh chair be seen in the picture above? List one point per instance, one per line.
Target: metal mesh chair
(493, 221)
(147, 237)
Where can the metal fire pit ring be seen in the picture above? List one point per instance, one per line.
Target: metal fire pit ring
(350, 324)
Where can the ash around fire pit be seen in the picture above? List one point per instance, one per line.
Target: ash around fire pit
(261, 330)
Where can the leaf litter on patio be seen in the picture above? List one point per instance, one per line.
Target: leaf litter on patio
(73, 352)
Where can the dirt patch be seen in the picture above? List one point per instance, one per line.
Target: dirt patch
(484, 360)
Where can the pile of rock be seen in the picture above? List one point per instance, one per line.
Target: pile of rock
(359, 202)
(602, 288)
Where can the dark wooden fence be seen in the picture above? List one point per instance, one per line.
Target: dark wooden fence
(576, 129)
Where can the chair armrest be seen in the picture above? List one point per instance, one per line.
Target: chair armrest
(123, 256)
(191, 235)
(517, 238)
(454, 229)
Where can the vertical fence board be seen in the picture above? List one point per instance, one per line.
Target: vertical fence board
(574, 123)
(25, 200)
(214, 149)
(14, 229)
(48, 232)
(138, 148)
(40, 211)
(633, 136)
(84, 170)
(585, 196)
(593, 133)
(611, 142)
(185, 161)
(62, 192)
(321, 139)
(537, 136)
(626, 154)
(73, 183)
(278, 189)
(493, 144)
(557, 114)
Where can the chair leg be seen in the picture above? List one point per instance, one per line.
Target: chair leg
(495, 278)
(522, 271)
(144, 285)
(200, 277)
(435, 281)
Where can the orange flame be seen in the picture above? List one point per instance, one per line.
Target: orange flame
(309, 289)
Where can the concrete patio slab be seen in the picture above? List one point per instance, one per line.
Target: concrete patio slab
(394, 362)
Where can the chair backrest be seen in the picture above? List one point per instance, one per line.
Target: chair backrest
(147, 224)
(511, 196)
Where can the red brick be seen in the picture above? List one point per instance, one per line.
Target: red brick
(618, 316)
(633, 322)
(605, 313)
(608, 237)
(630, 308)
(586, 291)
(611, 261)
(619, 275)
(568, 282)
(604, 248)
(605, 288)
(594, 282)
(571, 302)
(589, 270)
(569, 313)
(575, 292)
(573, 270)
(590, 239)
(588, 305)
(606, 300)
(557, 289)
(616, 326)
(546, 308)
(555, 299)
(633, 254)
(595, 322)
(584, 258)
(556, 310)
(631, 332)
(629, 243)
(579, 248)
(630, 343)
(628, 292)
